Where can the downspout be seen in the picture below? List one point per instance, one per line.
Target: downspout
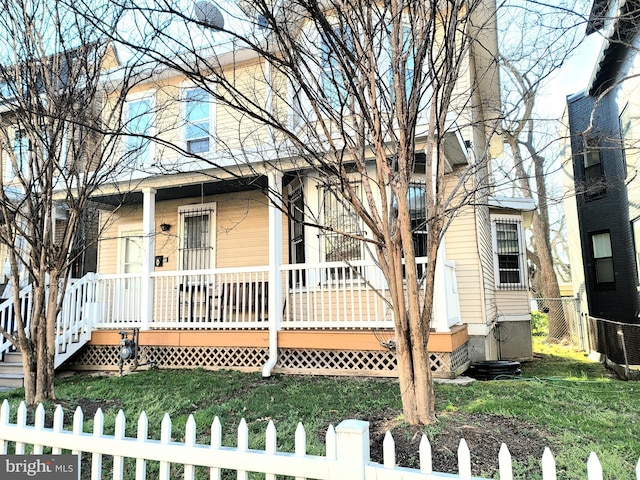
(275, 262)
(148, 247)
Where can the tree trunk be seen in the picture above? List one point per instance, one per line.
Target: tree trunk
(412, 325)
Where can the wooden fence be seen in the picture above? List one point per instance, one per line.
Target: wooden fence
(347, 452)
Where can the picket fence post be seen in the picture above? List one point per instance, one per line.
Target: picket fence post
(165, 439)
(548, 465)
(96, 458)
(4, 421)
(143, 433)
(300, 443)
(426, 461)
(594, 469)
(505, 465)
(216, 443)
(352, 450)
(58, 423)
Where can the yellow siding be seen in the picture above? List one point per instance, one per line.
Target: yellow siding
(241, 231)
(461, 247)
(235, 129)
(512, 302)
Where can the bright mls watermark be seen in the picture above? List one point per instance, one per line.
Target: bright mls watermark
(39, 467)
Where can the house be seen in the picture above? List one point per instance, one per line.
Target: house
(603, 174)
(201, 259)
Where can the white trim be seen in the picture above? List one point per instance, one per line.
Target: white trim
(126, 231)
(137, 97)
(189, 85)
(522, 265)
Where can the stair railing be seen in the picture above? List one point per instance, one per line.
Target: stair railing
(8, 320)
(73, 324)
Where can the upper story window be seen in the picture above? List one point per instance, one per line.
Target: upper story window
(21, 147)
(508, 248)
(603, 258)
(198, 120)
(405, 58)
(594, 179)
(139, 124)
(333, 77)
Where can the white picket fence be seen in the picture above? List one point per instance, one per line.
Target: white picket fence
(347, 451)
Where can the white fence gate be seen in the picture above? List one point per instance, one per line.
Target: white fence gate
(347, 451)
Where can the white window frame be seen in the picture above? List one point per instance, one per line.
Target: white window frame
(597, 259)
(21, 160)
(195, 210)
(517, 220)
(184, 88)
(151, 96)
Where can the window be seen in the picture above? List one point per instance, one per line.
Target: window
(139, 125)
(197, 113)
(197, 228)
(296, 235)
(405, 59)
(341, 242)
(603, 258)
(21, 147)
(594, 181)
(418, 216)
(509, 253)
(333, 78)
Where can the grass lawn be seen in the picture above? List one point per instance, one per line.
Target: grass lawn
(563, 401)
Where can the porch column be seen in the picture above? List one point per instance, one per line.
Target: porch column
(275, 262)
(440, 293)
(148, 251)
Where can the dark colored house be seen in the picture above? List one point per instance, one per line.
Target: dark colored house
(603, 122)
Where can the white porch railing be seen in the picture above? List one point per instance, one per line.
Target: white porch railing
(227, 298)
(73, 325)
(323, 295)
(347, 451)
(336, 295)
(8, 319)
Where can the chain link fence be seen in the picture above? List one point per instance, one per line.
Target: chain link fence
(618, 342)
(558, 320)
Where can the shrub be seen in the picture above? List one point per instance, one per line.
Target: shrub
(539, 324)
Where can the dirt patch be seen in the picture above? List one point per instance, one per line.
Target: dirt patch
(89, 407)
(483, 433)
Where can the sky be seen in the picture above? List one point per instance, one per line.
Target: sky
(572, 77)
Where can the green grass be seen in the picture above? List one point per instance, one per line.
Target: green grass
(575, 404)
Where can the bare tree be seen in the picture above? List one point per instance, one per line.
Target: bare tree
(56, 152)
(364, 94)
(541, 42)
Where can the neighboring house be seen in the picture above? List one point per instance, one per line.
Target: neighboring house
(605, 210)
(215, 276)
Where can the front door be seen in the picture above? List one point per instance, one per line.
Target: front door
(126, 306)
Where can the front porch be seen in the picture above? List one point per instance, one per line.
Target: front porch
(329, 318)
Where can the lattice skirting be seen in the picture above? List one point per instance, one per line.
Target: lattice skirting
(106, 357)
(290, 360)
(361, 362)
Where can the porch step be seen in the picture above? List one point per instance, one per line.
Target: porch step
(11, 375)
